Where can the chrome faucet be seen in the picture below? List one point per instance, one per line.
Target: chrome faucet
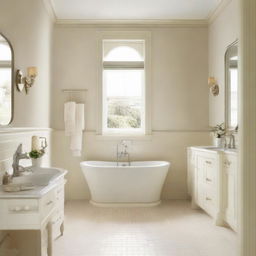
(232, 143)
(18, 155)
(123, 153)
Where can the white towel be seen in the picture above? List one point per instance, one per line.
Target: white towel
(79, 126)
(77, 135)
(76, 143)
(69, 117)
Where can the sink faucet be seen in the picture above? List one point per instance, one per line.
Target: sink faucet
(123, 153)
(232, 143)
(18, 155)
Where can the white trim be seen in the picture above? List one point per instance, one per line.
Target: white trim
(4, 131)
(151, 204)
(134, 23)
(144, 35)
(49, 6)
(216, 12)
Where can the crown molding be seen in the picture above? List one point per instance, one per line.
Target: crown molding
(217, 11)
(134, 23)
(49, 6)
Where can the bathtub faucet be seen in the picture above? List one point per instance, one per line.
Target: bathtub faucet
(122, 152)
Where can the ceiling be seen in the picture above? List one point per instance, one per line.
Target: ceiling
(133, 9)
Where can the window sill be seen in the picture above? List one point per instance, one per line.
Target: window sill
(118, 137)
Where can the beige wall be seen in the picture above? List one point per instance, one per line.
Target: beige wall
(179, 101)
(28, 27)
(222, 32)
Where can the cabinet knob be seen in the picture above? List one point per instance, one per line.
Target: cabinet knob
(208, 199)
(208, 162)
(207, 179)
(17, 208)
(228, 163)
(26, 208)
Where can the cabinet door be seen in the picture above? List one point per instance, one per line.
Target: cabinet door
(230, 172)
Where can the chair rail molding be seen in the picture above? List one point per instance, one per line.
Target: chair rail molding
(247, 172)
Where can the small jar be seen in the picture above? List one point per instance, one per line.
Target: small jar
(7, 178)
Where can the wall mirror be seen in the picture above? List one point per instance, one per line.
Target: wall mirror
(231, 88)
(6, 81)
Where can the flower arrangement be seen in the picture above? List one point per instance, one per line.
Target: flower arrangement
(219, 130)
(35, 154)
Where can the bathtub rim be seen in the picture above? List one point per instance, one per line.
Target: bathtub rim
(90, 164)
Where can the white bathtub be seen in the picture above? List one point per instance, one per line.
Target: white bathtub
(137, 185)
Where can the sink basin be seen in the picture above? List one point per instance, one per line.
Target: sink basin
(38, 176)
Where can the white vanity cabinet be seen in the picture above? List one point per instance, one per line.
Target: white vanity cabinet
(230, 189)
(206, 183)
(212, 183)
(39, 209)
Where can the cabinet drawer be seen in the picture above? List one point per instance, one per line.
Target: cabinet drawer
(210, 201)
(47, 203)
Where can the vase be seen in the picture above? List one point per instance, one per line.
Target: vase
(37, 162)
(218, 142)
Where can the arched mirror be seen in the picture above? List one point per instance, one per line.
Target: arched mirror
(231, 109)
(6, 81)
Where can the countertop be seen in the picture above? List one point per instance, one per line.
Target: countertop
(37, 192)
(215, 149)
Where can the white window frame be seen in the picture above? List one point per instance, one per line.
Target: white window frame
(125, 35)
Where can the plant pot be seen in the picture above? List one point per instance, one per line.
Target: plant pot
(37, 162)
(218, 142)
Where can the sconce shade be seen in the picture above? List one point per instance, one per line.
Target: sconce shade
(211, 81)
(32, 71)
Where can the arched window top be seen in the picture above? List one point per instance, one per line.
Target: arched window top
(123, 51)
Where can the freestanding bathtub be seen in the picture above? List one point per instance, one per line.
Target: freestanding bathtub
(139, 184)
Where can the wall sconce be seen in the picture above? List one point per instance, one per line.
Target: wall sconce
(27, 81)
(214, 87)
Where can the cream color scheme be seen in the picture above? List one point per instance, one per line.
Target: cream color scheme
(11, 138)
(179, 103)
(171, 229)
(212, 182)
(125, 184)
(167, 146)
(28, 27)
(40, 209)
(223, 31)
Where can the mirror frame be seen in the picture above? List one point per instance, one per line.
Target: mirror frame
(12, 80)
(227, 127)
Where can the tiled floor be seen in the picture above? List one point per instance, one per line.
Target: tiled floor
(171, 229)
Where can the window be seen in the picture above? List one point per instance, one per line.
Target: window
(123, 86)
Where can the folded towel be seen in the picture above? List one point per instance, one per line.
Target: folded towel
(70, 117)
(76, 143)
(74, 125)
(79, 126)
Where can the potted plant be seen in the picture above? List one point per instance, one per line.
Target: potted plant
(219, 132)
(36, 157)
